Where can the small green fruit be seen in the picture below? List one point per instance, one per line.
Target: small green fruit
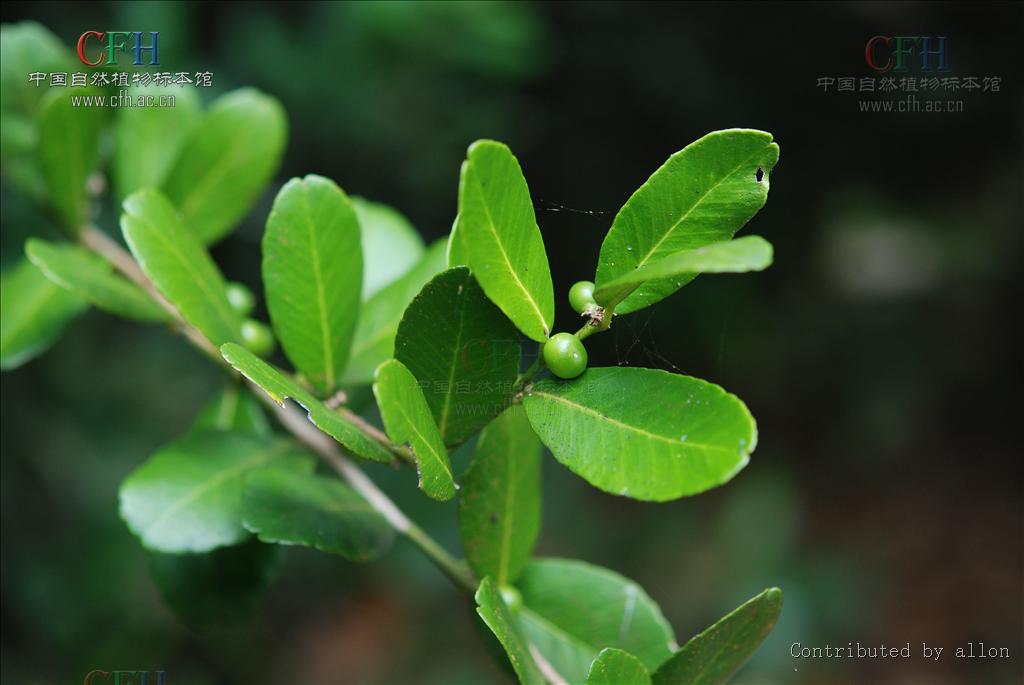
(565, 355)
(257, 338)
(512, 598)
(241, 298)
(581, 296)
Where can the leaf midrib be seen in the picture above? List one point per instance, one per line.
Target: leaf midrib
(508, 263)
(443, 423)
(506, 533)
(220, 304)
(430, 448)
(269, 454)
(325, 333)
(696, 204)
(202, 187)
(625, 426)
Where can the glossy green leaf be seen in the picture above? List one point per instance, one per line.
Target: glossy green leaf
(312, 273)
(572, 610)
(643, 433)
(502, 240)
(179, 265)
(750, 253)
(462, 350)
(713, 656)
(148, 140)
(69, 144)
(616, 667)
(93, 279)
(290, 508)
(499, 618)
(391, 246)
(379, 318)
(227, 161)
(500, 498)
(35, 311)
(188, 496)
(25, 48)
(703, 194)
(280, 388)
(233, 409)
(457, 255)
(222, 587)
(408, 421)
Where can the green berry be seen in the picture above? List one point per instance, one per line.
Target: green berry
(241, 298)
(512, 598)
(581, 296)
(257, 337)
(565, 355)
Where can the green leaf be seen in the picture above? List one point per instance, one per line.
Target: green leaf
(188, 496)
(227, 161)
(572, 610)
(457, 255)
(280, 388)
(703, 194)
(407, 420)
(69, 143)
(502, 240)
(234, 410)
(219, 588)
(500, 499)
(750, 253)
(179, 265)
(391, 246)
(35, 311)
(312, 273)
(616, 667)
(462, 350)
(496, 614)
(148, 140)
(305, 509)
(25, 48)
(642, 433)
(93, 279)
(713, 656)
(379, 317)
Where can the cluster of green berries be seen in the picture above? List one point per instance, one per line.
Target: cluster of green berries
(564, 353)
(256, 336)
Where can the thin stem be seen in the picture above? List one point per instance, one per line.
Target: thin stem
(526, 376)
(600, 320)
(331, 453)
(99, 242)
(325, 447)
(375, 433)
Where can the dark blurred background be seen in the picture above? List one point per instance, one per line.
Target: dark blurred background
(880, 353)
